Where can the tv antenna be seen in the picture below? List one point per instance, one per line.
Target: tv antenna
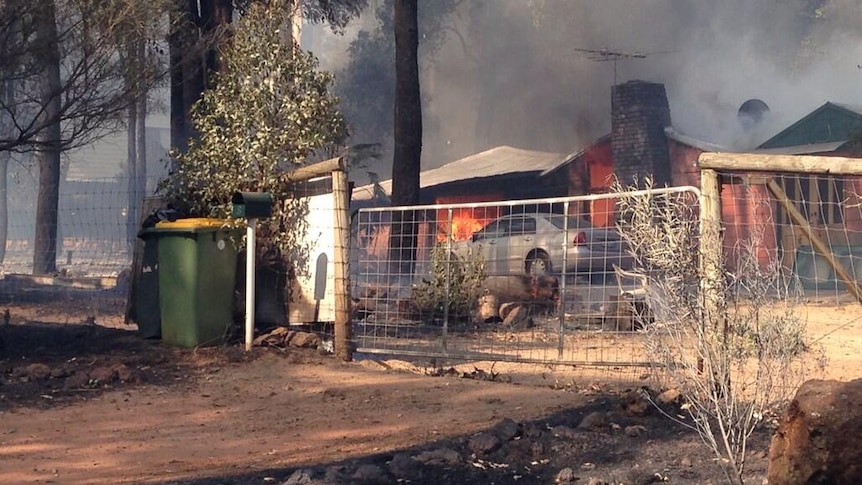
(608, 55)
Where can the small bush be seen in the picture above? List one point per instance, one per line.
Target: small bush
(454, 285)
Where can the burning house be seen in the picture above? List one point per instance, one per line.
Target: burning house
(643, 142)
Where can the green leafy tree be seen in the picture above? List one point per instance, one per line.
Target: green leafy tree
(198, 28)
(269, 111)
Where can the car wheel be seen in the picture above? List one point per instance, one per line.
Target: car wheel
(538, 264)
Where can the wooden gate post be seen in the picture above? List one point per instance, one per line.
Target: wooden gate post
(340, 194)
(711, 251)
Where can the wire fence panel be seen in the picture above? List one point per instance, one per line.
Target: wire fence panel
(544, 281)
(809, 228)
(97, 226)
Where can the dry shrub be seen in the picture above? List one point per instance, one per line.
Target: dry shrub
(734, 342)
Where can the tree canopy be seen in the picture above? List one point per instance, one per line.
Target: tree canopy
(92, 94)
(269, 110)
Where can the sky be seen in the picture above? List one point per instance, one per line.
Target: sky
(512, 72)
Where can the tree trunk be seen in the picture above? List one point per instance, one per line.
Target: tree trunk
(7, 91)
(48, 143)
(141, 144)
(186, 73)
(408, 136)
(4, 203)
(131, 176)
(141, 152)
(7, 95)
(176, 43)
(215, 14)
(191, 68)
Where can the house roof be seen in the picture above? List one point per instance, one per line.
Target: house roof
(575, 155)
(502, 160)
(804, 149)
(691, 141)
(831, 122)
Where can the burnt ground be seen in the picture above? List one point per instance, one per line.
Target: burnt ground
(600, 435)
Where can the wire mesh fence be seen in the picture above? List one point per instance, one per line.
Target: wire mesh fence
(97, 226)
(545, 281)
(542, 281)
(806, 229)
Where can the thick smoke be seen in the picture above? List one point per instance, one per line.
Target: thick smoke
(515, 73)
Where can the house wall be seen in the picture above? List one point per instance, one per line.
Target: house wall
(592, 173)
(683, 164)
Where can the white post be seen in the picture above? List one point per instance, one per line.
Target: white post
(249, 283)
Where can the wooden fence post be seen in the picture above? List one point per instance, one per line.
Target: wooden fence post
(343, 347)
(711, 254)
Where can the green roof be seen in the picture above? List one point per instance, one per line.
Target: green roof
(829, 123)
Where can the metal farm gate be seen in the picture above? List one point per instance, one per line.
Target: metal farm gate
(501, 281)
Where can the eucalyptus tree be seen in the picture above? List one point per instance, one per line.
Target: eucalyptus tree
(198, 29)
(68, 88)
(269, 109)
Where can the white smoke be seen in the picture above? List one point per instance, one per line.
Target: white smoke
(519, 79)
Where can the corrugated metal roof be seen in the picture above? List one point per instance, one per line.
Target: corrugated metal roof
(502, 160)
(804, 149)
(691, 141)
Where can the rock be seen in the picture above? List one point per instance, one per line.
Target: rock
(634, 431)
(563, 431)
(522, 288)
(335, 474)
(77, 380)
(819, 437)
(506, 309)
(531, 430)
(103, 375)
(483, 443)
(276, 338)
(370, 473)
(685, 462)
(305, 340)
(38, 372)
(594, 421)
(618, 314)
(634, 403)
(507, 430)
(300, 477)
(566, 475)
(441, 456)
(403, 466)
(127, 374)
(60, 372)
(518, 318)
(669, 397)
(18, 372)
(489, 308)
(596, 481)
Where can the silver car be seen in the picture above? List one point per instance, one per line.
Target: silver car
(534, 243)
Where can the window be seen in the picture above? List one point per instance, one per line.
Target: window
(498, 228)
(522, 225)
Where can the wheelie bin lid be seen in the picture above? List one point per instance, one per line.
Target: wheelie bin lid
(190, 225)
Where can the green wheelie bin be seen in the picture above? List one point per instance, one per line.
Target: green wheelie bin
(197, 271)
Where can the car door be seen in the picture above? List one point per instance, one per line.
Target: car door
(491, 244)
(521, 240)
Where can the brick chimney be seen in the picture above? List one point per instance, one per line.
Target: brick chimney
(639, 115)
